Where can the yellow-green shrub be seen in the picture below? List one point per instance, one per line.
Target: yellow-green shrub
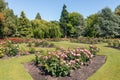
(2, 50)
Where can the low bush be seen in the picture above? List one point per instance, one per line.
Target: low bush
(2, 51)
(31, 44)
(58, 39)
(51, 45)
(37, 43)
(88, 40)
(44, 44)
(94, 49)
(32, 50)
(110, 43)
(11, 49)
(61, 62)
(114, 43)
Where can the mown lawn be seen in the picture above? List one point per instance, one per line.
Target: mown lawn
(13, 69)
(111, 69)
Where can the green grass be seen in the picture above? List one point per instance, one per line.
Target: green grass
(111, 69)
(67, 44)
(13, 69)
(24, 47)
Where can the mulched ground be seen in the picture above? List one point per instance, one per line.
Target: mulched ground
(81, 74)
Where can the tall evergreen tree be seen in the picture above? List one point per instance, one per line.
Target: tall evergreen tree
(38, 16)
(10, 22)
(24, 28)
(117, 10)
(3, 5)
(1, 25)
(64, 21)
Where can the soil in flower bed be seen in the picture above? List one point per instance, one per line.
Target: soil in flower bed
(81, 74)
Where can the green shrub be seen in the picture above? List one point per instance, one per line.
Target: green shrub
(58, 39)
(114, 43)
(88, 40)
(30, 44)
(2, 50)
(11, 49)
(32, 50)
(93, 49)
(52, 66)
(51, 45)
(119, 44)
(44, 44)
(110, 43)
(37, 44)
(84, 58)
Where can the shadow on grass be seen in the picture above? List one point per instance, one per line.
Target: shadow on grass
(118, 48)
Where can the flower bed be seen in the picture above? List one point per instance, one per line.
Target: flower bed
(18, 40)
(62, 62)
(8, 49)
(80, 74)
(58, 39)
(15, 40)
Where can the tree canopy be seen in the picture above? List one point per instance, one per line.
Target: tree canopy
(104, 23)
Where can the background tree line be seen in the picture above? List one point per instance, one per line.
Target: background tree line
(105, 23)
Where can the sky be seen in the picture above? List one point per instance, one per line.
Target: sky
(51, 9)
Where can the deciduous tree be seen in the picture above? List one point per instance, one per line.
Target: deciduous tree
(108, 23)
(91, 26)
(76, 24)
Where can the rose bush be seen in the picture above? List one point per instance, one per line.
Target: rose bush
(11, 49)
(62, 61)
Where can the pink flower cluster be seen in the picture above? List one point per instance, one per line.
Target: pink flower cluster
(71, 57)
